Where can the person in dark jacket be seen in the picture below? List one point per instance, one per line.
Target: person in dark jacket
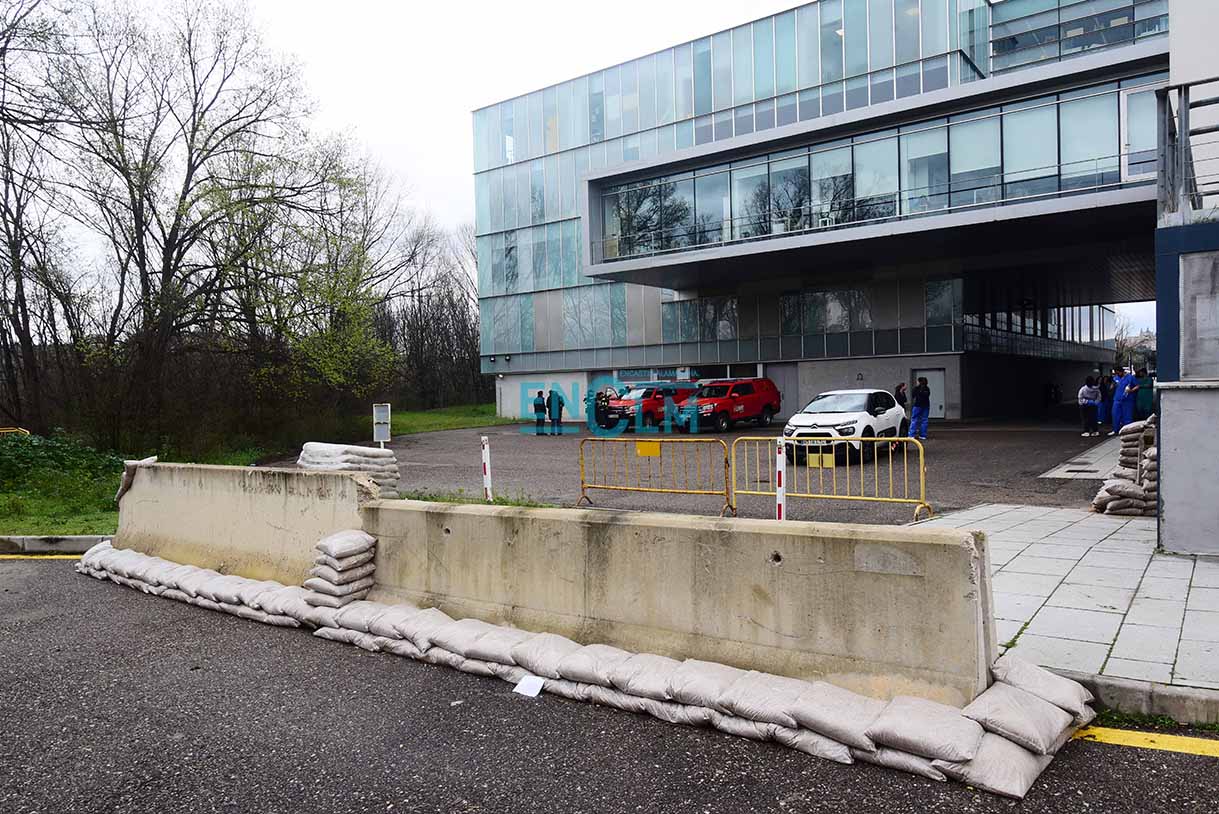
(554, 406)
(921, 409)
(899, 394)
(539, 414)
(1089, 402)
(1105, 383)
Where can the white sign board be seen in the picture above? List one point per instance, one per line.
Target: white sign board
(380, 423)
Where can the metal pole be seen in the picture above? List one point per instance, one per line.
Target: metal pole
(780, 481)
(486, 470)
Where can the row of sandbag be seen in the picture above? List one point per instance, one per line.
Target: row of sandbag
(1001, 742)
(1131, 489)
(379, 464)
(343, 570)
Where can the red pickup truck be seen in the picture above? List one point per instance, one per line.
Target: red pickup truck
(724, 402)
(644, 404)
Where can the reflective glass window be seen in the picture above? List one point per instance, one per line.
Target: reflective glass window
(880, 32)
(722, 122)
(837, 312)
(876, 179)
(524, 259)
(810, 104)
(566, 118)
(510, 259)
(742, 64)
(721, 79)
(831, 40)
(831, 187)
(537, 129)
(676, 203)
(881, 86)
(975, 153)
(1141, 132)
(647, 93)
(553, 201)
(789, 314)
(520, 128)
(505, 141)
(785, 110)
(702, 130)
(764, 115)
(538, 236)
(714, 210)
(935, 73)
(571, 251)
(789, 194)
(831, 99)
(683, 72)
(906, 30)
(1088, 139)
(808, 50)
(855, 33)
(508, 179)
(763, 59)
(856, 92)
(683, 134)
(1030, 151)
(567, 184)
(613, 102)
(785, 52)
(630, 97)
(750, 201)
(537, 191)
(743, 116)
(935, 27)
(580, 111)
(554, 255)
(524, 194)
(664, 87)
(702, 76)
(909, 80)
(925, 170)
(550, 112)
(596, 107)
(482, 203)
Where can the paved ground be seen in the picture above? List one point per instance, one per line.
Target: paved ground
(967, 464)
(114, 701)
(1086, 592)
(1091, 464)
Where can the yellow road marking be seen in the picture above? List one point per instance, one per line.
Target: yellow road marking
(39, 556)
(1150, 740)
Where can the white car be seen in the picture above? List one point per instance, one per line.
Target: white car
(846, 414)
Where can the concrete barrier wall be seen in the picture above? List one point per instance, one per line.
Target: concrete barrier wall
(878, 609)
(259, 523)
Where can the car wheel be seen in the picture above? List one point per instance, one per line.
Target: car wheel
(722, 423)
(766, 417)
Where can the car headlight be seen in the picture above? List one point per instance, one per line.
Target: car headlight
(846, 429)
(789, 430)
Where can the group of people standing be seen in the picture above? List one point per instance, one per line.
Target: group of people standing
(920, 410)
(548, 406)
(1117, 399)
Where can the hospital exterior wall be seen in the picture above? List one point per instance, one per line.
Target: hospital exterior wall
(877, 609)
(882, 374)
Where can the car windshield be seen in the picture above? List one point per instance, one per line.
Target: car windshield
(838, 403)
(637, 393)
(714, 391)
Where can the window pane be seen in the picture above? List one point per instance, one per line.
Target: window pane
(524, 195)
(857, 92)
(974, 148)
(810, 104)
(831, 40)
(664, 87)
(537, 191)
(831, 99)
(743, 120)
(509, 196)
(550, 112)
(723, 125)
(837, 312)
(785, 52)
(1030, 151)
(567, 184)
(702, 76)
(520, 128)
(683, 134)
(808, 35)
(537, 128)
(876, 179)
(789, 314)
(742, 64)
(721, 54)
(786, 110)
(714, 210)
(630, 97)
(1141, 132)
(882, 86)
(909, 80)
(750, 201)
(676, 213)
(789, 194)
(580, 111)
(571, 252)
(764, 115)
(939, 302)
(554, 255)
(1088, 134)
(880, 30)
(925, 170)
(565, 116)
(613, 102)
(647, 93)
(596, 107)
(855, 30)
(763, 59)
(935, 27)
(831, 186)
(906, 24)
(552, 187)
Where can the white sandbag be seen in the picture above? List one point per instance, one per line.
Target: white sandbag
(811, 743)
(124, 562)
(191, 583)
(321, 586)
(675, 713)
(320, 600)
(386, 623)
(399, 647)
(322, 448)
(244, 612)
(444, 658)
(339, 634)
(1121, 503)
(249, 593)
(281, 621)
(1019, 716)
(346, 543)
(610, 697)
(742, 727)
(357, 615)
(173, 577)
(511, 673)
(572, 690)
(496, 644)
(901, 761)
(645, 675)
(151, 569)
(319, 617)
(458, 636)
(344, 563)
(1059, 691)
(204, 602)
(763, 697)
(223, 589)
(1127, 490)
(420, 627)
(701, 683)
(837, 713)
(541, 653)
(176, 595)
(1000, 766)
(89, 558)
(592, 664)
(1151, 453)
(284, 601)
(477, 667)
(926, 728)
(1133, 428)
(1120, 473)
(342, 577)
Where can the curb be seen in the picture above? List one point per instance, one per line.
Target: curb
(66, 544)
(1186, 705)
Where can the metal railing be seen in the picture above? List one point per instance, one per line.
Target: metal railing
(881, 470)
(1188, 153)
(13, 431)
(682, 466)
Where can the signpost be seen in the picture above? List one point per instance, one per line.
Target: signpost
(380, 423)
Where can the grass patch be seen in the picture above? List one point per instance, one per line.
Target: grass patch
(1010, 643)
(56, 486)
(1116, 719)
(408, 422)
(462, 496)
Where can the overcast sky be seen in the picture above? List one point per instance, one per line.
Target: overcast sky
(403, 77)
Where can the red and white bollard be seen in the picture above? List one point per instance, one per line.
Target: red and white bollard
(780, 480)
(486, 470)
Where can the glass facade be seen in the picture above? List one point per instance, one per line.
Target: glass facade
(1028, 32)
(1050, 145)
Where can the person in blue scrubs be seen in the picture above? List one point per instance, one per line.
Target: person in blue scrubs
(1123, 400)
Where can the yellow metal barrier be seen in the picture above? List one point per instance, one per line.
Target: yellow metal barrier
(13, 431)
(813, 470)
(683, 466)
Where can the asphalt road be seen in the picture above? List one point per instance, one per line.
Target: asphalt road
(113, 701)
(967, 464)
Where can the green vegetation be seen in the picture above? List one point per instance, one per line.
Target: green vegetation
(461, 496)
(1116, 719)
(1010, 643)
(406, 422)
(56, 486)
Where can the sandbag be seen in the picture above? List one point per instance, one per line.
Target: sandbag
(339, 634)
(1059, 691)
(173, 577)
(645, 675)
(572, 690)
(1121, 503)
(1121, 473)
(592, 664)
(837, 713)
(90, 557)
(346, 543)
(319, 600)
(386, 623)
(420, 627)
(286, 601)
(1151, 453)
(281, 621)
(1133, 428)
(321, 586)
(477, 667)
(763, 697)
(926, 728)
(811, 743)
(459, 636)
(342, 577)
(319, 617)
(444, 658)
(123, 562)
(357, 615)
(507, 672)
(1019, 716)
(321, 448)
(148, 569)
(496, 645)
(1127, 490)
(249, 593)
(899, 760)
(399, 647)
(541, 653)
(191, 583)
(742, 727)
(223, 589)
(176, 595)
(1000, 766)
(675, 713)
(204, 602)
(344, 563)
(701, 683)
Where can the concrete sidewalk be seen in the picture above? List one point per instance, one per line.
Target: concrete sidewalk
(1087, 592)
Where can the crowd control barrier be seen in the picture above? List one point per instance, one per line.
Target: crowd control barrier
(680, 466)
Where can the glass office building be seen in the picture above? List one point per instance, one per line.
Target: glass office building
(827, 190)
